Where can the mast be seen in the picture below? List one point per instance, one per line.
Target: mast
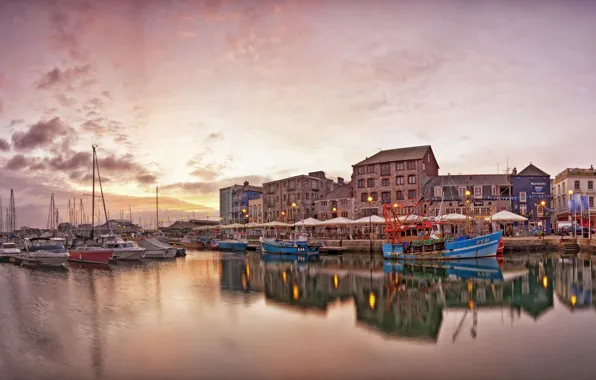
(129, 213)
(157, 207)
(93, 197)
(12, 214)
(103, 200)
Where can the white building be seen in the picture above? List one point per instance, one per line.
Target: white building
(576, 181)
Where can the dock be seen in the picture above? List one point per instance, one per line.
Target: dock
(333, 250)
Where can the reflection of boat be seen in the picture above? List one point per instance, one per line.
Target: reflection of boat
(156, 249)
(487, 268)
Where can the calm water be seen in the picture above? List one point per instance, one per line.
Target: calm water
(213, 315)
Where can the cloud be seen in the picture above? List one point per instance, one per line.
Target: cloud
(16, 163)
(4, 145)
(146, 179)
(214, 186)
(77, 161)
(216, 136)
(15, 122)
(64, 79)
(42, 134)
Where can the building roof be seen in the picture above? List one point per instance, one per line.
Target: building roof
(399, 154)
(344, 191)
(468, 180)
(532, 171)
(300, 176)
(576, 172)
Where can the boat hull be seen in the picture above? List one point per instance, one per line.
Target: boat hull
(237, 246)
(49, 260)
(168, 253)
(90, 256)
(478, 247)
(128, 255)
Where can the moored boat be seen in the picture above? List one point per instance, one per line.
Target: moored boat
(42, 251)
(8, 250)
(156, 249)
(90, 254)
(122, 249)
(297, 249)
(232, 245)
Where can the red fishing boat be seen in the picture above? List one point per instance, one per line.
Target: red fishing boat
(90, 252)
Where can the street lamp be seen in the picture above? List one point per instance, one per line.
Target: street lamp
(294, 211)
(283, 214)
(207, 217)
(369, 199)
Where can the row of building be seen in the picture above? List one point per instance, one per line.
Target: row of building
(402, 176)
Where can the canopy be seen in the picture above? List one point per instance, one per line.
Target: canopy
(506, 216)
(276, 224)
(253, 225)
(375, 219)
(454, 218)
(337, 222)
(411, 218)
(232, 226)
(309, 222)
(204, 228)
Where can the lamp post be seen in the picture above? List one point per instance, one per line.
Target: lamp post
(207, 217)
(294, 211)
(467, 211)
(283, 216)
(370, 250)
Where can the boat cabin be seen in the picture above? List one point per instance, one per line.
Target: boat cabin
(122, 244)
(414, 232)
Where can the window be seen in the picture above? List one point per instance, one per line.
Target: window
(370, 169)
(361, 170)
(292, 185)
(344, 214)
(298, 196)
(564, 188)
(591, 200)
(477, 191)
(369, 211)
(374, 196)
(559, 189)
(385, 169)
(461, 191)
(370, 182)
(314, 184)
(411, 165)
(411, 194)
(323, 215)
(343, 202)
(324, 203)
(540, 211)
(271, 188)
(399, 166)
(423, 166)
(428, 157)
(590, 185)
(400, 195)
(364, 197)
(386, 197)
(385, 182)
(523, 209)
(438, 191)
(284, 198)
(576, 185)
(360, 183)
(307, 196)
(411, 179)
(522, 197)
(399, 180)
(494, 191)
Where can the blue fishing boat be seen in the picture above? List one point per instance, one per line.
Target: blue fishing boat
(486, 268)
(298, 250)
(232, 245)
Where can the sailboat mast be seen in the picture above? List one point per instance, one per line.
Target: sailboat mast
(93, 196)
(157, 207)
(103, 200)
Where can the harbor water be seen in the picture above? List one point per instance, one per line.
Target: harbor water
(214, 315)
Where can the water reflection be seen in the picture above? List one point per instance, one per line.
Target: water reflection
(212, 315)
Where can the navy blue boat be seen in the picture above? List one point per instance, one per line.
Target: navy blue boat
(293, 250)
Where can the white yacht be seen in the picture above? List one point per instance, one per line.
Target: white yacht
(8, 250)
(42, 251)
(156, 249)
(122, 249)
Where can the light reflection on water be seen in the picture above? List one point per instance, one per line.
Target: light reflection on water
(212, 315)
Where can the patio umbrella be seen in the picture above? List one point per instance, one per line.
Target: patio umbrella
(309, 222)
(337, 222)
(277, 224)
(375, 219)
(505, 216)
(453, 218)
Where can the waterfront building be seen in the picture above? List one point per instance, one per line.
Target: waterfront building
(338, 203)
(255, 210)
(578, 181)
(233, 202)
(489, 193)
(531, 194)
(392, 176)
(292, 199)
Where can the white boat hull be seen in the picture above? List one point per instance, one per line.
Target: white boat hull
(49, 259)
(127, 255)
(160, 253)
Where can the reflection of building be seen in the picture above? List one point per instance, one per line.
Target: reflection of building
(234, 199)
(338, 203)
(395, 175)
(574, 286)
(281, 195)
(530, 188)
(579, 181)
(534, 292)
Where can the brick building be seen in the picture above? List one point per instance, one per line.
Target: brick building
(338, 203)
(489, 193)
(302, 190)
(392, 176)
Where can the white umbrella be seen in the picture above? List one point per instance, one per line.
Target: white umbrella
(506, 216)
(375, 219)
(337, 222)
(411, 218)
(277, 224)
(309, 222)
(454, 218)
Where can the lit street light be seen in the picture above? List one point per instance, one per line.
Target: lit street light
(370, 225)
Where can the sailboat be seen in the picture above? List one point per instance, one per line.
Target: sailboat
(91, 252)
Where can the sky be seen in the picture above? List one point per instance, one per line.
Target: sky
(193, 95)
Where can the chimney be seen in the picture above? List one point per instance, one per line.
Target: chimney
(514, 171)
(340, 180)
(245, 183)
